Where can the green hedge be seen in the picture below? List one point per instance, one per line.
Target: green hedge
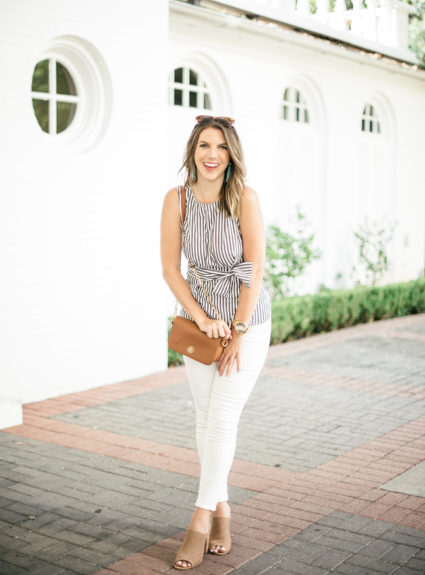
(301, 316)
(174, 358)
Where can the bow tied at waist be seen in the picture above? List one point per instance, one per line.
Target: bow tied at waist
(226, 280)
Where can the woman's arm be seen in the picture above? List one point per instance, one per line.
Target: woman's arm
(171, 259)
(254, 248)
(253, 241)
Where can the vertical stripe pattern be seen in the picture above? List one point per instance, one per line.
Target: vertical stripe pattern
(212, 242)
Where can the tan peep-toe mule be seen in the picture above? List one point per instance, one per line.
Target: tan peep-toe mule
(220, 535)
(192, 550)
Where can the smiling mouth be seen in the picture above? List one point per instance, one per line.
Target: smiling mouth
(210, 166)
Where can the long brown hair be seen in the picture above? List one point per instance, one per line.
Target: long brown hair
(230, 193)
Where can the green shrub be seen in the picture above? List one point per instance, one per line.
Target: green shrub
(301, 316)
(372, 241)
(288, 255)
(174, 358)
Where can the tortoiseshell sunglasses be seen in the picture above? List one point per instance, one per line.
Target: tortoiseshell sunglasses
(224, 119)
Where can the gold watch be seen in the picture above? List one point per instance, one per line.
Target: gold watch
(240, 327)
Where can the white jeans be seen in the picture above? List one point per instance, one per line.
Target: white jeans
(218, 403)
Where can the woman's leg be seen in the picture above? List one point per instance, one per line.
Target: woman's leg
(201, 378)
(218, 403)
(227, 397)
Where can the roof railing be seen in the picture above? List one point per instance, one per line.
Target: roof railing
(376, 25)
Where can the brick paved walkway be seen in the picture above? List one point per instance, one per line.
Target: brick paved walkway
(103, 481)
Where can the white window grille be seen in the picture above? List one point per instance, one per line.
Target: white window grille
(295, 108)
(188, 89)
(370, 120)
(54, 96)
(71, 95)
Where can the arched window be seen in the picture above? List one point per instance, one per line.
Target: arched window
(54, 96)
(295, 107)
(187, 88)
(370, 120)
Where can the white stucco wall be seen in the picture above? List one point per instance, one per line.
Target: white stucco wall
(79, 229)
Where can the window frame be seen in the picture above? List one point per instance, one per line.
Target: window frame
(201, 89)
(295, 108)
(370, 122)
(84, 63)
(53, 97)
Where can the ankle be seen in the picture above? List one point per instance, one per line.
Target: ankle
(200, 521)
(222, 509)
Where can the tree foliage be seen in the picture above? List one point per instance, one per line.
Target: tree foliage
(417, 30)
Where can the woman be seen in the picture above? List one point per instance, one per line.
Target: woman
(222, 236)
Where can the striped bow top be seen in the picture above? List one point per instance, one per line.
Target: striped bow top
(212, 242)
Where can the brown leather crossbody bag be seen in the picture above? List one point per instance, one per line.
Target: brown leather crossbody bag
(185, 336)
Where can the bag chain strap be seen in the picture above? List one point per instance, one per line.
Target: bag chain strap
(205, 292)
(206, 295)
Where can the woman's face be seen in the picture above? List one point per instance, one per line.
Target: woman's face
(211, 155)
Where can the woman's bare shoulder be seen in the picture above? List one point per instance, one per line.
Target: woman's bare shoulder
(171, 193)
(171, 198)
(249, 197)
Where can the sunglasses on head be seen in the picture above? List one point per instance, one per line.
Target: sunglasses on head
(223, 119)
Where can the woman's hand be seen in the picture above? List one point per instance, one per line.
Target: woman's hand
(215, 328)
(230, 355)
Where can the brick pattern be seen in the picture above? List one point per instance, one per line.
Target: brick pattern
(103, 481)
(315, 417)
(341, 543)
(58, 505)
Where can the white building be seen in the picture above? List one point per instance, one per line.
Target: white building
(98, 101)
